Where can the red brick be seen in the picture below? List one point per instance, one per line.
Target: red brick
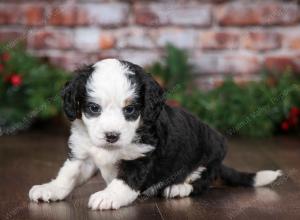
(87, 39)
(82, 16)
(219, 40)
(292, 39)
(144, 16)
(104, 14)
(261, 41)
(108, 14)
(142, 57)
(107, 41)
(105, 54)
(7, 35)
(53, 39)
(63, 16)
(182, 38)
(294, 43)
(10, 14)
(67, 16)
(187, 14)
(270, 13)
(226, 63)
(283, 62)
(34, 15)
(67, 61)
(136, 38)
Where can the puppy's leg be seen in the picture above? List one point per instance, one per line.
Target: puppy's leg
(114, 196)
(186, 188)
(73, 173)
(124, 189)
(178, 190)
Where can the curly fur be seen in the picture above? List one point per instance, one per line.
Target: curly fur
(162, 150)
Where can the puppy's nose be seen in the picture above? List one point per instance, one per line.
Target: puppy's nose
(112, 137)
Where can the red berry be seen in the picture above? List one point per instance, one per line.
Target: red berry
(1, 67)
(5, 57)
(285, 126)
(294, 111)
(16, 80)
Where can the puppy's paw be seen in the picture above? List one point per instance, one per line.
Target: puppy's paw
(178, 190)
(103, 200)
(47, 192)
(116, 195)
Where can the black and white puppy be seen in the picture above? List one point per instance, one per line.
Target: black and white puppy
(122, 126)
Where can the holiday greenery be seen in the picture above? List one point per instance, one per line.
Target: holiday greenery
(174, 71)
(255, 109)
(29, 89)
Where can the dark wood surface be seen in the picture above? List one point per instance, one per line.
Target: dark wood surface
(35, 158)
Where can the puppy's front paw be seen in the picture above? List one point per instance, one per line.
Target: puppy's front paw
(47, 192)
(103, 200)
(116, 195)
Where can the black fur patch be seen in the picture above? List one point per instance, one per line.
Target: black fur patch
(182, 143)
(74, 92)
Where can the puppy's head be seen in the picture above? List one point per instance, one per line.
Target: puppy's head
(113, 99)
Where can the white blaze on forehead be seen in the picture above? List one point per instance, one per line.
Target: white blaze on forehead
(109, 83)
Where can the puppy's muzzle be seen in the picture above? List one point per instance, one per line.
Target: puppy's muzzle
(112, 137)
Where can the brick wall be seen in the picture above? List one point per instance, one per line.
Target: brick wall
(223, 37)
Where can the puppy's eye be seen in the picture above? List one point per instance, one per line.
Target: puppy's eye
(129, 110)
(94, 108)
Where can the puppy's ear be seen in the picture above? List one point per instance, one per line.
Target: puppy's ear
(74, 92)
(154, 99)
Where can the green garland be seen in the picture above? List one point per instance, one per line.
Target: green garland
(29, 89)
(256, 109)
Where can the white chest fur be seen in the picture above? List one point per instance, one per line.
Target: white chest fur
(106, 161)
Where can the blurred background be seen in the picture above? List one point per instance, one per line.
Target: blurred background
(235, 64)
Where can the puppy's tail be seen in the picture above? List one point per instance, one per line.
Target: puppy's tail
(233, 177)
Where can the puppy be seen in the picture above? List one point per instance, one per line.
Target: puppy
(122, 126)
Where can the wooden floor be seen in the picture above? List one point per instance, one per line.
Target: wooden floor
(34, 158)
